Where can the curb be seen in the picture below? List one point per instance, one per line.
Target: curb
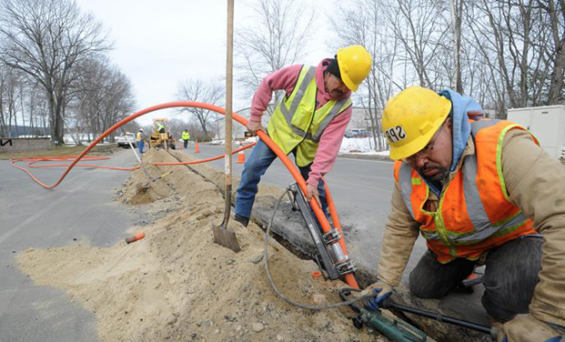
(364, 156)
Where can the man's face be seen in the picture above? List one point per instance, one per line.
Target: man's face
(334, 86)
(434, 160)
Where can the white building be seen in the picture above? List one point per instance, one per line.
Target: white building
(546, 123)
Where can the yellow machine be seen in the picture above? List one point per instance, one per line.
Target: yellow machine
(161, 136)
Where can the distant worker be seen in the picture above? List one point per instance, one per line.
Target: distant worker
(163, 136)
(185, 137)
(140, 140)
(309, 122)
(480, 193)
(160, 127)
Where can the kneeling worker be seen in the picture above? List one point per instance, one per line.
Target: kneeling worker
(480, 193)
(310, 121)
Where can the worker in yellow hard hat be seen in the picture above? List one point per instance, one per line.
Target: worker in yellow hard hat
(309, 122)
(481, 193)
(140, 139)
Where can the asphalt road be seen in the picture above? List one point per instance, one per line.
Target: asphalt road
(82, 208)
(30, 216)
(361, 191)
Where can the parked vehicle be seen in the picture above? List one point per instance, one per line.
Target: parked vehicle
(123, 142)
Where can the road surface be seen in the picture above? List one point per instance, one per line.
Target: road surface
(30, 216)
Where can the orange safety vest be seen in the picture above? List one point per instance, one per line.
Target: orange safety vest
(474, 213)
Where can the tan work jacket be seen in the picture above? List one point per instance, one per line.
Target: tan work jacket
(535, 183)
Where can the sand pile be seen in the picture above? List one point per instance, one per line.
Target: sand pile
(177, 285)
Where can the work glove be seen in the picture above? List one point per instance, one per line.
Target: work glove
(526, 328)
(381, 290)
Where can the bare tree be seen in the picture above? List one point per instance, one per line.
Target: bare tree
(362, 22)
(101, 96)
(10, 95)
(422, 31)
(508, 53)
(277, 37)
(457, 13)
(199, 91)
(45, 39)
(553, 13)
(523, 43)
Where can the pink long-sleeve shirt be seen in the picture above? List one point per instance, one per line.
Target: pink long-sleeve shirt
(330, 141)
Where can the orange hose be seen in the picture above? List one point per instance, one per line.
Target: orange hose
(349, 278)
(209, 159)
(331, 207)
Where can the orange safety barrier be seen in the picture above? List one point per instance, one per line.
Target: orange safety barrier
(349, 278)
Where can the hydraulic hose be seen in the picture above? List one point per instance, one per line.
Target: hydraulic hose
(349, 278)
(276, 289)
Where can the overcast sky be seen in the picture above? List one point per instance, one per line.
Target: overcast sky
(157, 44)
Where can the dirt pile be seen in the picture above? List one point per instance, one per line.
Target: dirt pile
(177, 285)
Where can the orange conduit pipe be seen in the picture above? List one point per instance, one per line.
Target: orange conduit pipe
(32, 160)
(331, 207)
(349, 278)
(207, 160)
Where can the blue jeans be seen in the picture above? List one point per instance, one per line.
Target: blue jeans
(258, 162)
(185, 144)
(140, 146)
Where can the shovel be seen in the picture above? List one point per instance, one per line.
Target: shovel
(145, 186)
(222, 235)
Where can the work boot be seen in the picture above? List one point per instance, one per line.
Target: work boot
(241, 219)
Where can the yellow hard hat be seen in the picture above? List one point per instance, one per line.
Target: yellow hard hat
(411, 118)
(354, 65)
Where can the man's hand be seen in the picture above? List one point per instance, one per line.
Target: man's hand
(526, 328)
(380, 289)
(253, 127)
(313, 192)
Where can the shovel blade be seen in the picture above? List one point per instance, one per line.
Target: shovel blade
(142, 187)
(225, 237)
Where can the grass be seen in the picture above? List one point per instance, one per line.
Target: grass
(61, 151)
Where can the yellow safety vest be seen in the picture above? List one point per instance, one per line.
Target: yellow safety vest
(160, 126)
(475, 213)
(185, 136)
(296, 123)
(138, 136)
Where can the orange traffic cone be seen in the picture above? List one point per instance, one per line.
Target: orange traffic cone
(196, 148)
(240, 157)
(180, 145)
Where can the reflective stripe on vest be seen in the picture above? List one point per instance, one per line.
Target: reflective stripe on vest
(512, 222)
(185, 136)
(297, 125)
(289, 113)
